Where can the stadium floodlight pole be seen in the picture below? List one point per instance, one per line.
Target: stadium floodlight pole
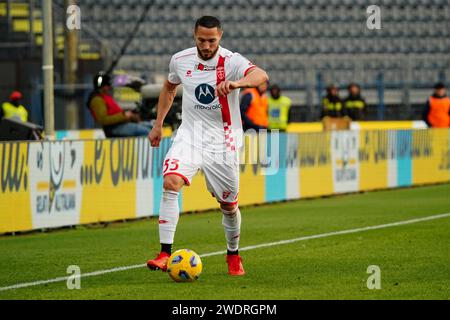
(70, 71)
(47, 68)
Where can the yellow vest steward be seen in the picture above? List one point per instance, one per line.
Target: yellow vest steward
(354, 104)
(279, 112)
(10, 111)
(331, 106)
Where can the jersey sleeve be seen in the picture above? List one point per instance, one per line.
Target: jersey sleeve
(241, 66)
(173, 75)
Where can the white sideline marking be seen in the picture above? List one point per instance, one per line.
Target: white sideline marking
(258, 246)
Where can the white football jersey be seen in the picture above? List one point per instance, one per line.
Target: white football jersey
(208, 122)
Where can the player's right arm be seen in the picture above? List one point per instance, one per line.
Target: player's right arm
(166, 97)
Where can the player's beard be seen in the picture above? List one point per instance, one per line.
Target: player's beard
(210, 55)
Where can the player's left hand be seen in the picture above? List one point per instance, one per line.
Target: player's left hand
(225, 88)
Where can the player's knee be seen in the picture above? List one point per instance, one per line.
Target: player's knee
(228, 207)
(173, 183)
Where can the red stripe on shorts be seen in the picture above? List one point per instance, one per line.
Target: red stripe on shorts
(186, 180)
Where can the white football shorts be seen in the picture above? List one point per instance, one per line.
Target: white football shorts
(221, 169)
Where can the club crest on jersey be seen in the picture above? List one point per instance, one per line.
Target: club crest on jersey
(221, 73)
(204, 93)
(202, 67)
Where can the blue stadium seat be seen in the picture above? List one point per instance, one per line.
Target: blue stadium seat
(275, 31)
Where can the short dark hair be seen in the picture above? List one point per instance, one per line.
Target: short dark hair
(208, 22)
(331, 87)
(275, 87)
(439, 86)
(354, 84)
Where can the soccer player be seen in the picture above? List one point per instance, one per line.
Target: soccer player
(209, 136)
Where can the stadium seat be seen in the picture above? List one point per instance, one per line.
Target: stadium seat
(285, 28)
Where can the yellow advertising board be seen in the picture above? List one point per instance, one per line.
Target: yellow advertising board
(61, 183)
(108, 175)
(251, 181)
(430, 154)
(316, 171)
(373, 153)
(15, 207)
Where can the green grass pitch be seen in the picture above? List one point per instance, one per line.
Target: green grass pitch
(414, 259)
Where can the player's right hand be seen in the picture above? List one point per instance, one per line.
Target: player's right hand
(155, 136)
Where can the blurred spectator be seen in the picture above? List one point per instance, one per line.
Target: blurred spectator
(279, 107)
(254, 108)
(106, 111)
(354, 104)
(13, 109)
(437, 110)
(332, 103)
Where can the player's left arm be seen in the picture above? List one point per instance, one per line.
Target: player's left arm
(254, 77)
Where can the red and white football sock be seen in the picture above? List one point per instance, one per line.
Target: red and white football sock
(169, 214)
(232, 223)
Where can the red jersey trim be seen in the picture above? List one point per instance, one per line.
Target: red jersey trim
(186, 180)
(248, 69)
